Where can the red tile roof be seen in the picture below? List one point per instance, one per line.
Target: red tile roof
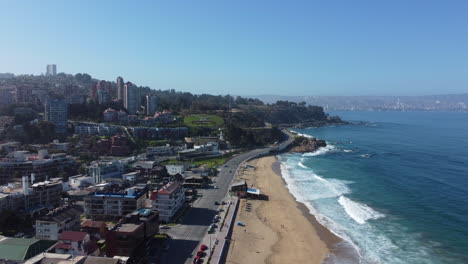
(72, 236)
(63, 246)
(168, 189)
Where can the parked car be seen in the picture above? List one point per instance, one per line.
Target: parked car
(203, 247)
(223, 202)
(216, 203)
(213, 226)
(197, 260)
(220, 210)
(164, 227)
(201, 253)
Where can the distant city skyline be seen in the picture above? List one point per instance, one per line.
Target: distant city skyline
(246, 48)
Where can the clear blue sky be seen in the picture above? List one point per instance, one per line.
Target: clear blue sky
(347, 47)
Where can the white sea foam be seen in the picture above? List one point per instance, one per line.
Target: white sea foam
(302, 135)
(357, 211)
(300, 164)
(320, 151)
(348, 150)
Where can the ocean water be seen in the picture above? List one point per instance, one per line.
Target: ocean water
(395, 188)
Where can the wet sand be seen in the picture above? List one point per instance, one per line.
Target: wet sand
(277, 230)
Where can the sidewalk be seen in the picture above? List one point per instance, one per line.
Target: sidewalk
(217, 241)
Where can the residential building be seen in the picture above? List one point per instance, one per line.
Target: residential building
(151, 104)
(6, 97)
(17, 250)
(131, 98)
(120, 88)
(23, 93)
(56, 112)
(51, 70)
(80, 181)
(129, 237)
(174, 169)
(95, 129)
(168, 200)
(76, 243)
(101, 170)
(110, 205)
(60, 219)
(110, 115)
(20, 163)
(96, 229)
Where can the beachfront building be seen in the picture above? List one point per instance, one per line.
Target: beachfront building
(174, 169)
(168, 200)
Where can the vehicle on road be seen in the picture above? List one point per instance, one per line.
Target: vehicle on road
(216, 203)
(201, 253)
(203, 247)
(165, 227)
(215, 187)
(213, 226)
(197, 260)
(223, 202)
(220, 210)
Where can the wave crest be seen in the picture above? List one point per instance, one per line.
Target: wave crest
(320, 151)
(357, 211)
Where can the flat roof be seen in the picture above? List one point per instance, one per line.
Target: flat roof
(253, 191)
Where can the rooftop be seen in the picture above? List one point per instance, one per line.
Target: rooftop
(72, 236)
(22, 248)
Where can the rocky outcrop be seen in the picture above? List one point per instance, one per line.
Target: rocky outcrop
(305, 144)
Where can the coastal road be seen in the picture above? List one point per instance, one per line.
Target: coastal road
(195, 223)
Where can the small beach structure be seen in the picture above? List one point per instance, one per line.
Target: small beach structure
(239, 188)
(253, 193)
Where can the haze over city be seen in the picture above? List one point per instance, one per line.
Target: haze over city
(246, 47)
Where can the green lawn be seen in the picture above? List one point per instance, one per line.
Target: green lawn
(203, 120)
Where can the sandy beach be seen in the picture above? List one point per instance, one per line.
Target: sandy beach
(277, 230)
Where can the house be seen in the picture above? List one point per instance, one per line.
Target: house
(63, 218)
(129, 236)
(76, 243)
(168, 200)
(54, 258)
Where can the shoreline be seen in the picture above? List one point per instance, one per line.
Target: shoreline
(339, 249)
(278, 229)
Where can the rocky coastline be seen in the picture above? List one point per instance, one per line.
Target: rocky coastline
(306, 144)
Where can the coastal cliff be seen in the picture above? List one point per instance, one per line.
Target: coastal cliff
(305, 144)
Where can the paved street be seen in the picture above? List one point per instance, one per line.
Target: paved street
(186, 237)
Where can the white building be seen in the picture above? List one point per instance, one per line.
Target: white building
(78, 181)
(168, 200)
(151, 105)
(174, 169)
(131, 98)
(101, 170)
(75, 243)
(61, 219)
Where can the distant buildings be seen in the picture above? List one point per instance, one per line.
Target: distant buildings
(174, 169)
(131, 98)
(109, 205)
(51, 70)
(56, 112)
(42, 165)
(151, 105)
(120, 88)
(168, 200)
(60, 219)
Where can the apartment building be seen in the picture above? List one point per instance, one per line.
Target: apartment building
(107, 205)
(56, 221)
(168, 200)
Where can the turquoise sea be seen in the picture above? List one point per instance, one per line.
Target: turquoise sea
(394, 188)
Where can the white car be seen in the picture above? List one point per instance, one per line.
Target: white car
(165, 227)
